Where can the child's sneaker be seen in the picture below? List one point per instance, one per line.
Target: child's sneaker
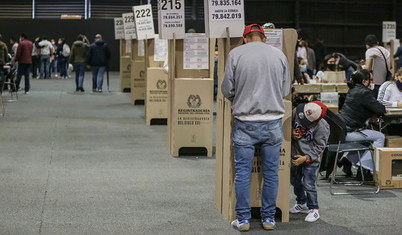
(312, 216)
(298, 208)
(268, 224)
(242, 226)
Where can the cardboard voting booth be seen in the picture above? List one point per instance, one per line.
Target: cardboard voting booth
(225, 199)
(156, 81)
(125, 66)
(190, 118)
(137, 72)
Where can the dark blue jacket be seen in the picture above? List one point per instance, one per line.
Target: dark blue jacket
(98, 54)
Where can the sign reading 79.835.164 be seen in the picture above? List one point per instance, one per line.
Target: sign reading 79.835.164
(225, 2)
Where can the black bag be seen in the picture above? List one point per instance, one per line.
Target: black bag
(388, 77)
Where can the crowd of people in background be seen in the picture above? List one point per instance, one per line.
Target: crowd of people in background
(47, 58)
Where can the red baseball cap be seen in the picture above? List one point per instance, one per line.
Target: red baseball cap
(248, 29)
(311, 112)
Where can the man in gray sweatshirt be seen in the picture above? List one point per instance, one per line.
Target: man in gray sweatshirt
(257, 78)
(310, 135)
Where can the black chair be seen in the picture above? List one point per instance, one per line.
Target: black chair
(337, 144)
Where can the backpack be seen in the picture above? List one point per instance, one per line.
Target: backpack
(66, 50)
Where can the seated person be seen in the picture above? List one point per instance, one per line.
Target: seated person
(360, 105)
(390, 95)
(343, 64)
(303, 69)
(324, 67)
(309, 138)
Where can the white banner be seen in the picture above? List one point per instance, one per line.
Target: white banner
(118, 28)
(129, 26)
(171, 19)
(144, 21)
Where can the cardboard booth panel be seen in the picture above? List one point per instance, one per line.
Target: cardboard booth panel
(125, 73)
(389, 167)
(156, 103)
(137, 81)
(335, 77)
(192, 111)
(393, 141)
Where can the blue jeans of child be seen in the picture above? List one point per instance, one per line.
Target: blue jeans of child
(245, 136)
(79, 74)
(303, 179)
(97, 77)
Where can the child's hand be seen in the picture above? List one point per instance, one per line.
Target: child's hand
(296, 134)
(299, 160)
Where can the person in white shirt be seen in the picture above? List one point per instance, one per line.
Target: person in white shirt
(377, 60)
(46, 50)
(390, 93)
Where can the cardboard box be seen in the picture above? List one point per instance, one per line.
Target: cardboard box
(308, 88)
(156, 102)
(333, 108)
(137, 81)
(389, 167)
(327, 87)
(334, 77)
(342, 88)
(125, 73)
(191, 114)
(393, 141)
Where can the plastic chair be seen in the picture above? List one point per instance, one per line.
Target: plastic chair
(337, 143)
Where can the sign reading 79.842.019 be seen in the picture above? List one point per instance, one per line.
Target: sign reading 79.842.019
(226, 10)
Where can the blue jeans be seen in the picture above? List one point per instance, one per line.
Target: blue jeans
(376, 137)
(63, 68)
(97, 77)
(348, 72)
(45, 66)
(79, 74)
(303, 179)
(23, 70)
(54, 65)
(245, 136)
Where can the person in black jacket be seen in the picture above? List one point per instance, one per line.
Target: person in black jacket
(360, 105)
(98, 59)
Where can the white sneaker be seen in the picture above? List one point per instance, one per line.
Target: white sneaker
(312, 216)
(298, 208)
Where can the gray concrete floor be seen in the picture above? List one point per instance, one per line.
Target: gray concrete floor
(73, 163)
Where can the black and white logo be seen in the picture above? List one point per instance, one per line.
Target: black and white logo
(129, 67)
(194, 101)
(142, 73)
(161, 84)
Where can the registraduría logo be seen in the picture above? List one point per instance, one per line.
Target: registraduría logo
(161, 84)
(194, 101)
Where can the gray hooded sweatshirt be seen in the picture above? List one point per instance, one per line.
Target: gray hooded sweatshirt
(313, 141)
(257, 78)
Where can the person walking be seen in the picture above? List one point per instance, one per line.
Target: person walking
(54, 59)
(46, 50)
(35, 58)
(257, 78)
(98, 59)
(63, 53)
(24, 59)
(78, 58)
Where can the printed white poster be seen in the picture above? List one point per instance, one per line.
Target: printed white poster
(388, 31)
(160, 49)
(196, 51)
(274, 38)
(141, 48)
